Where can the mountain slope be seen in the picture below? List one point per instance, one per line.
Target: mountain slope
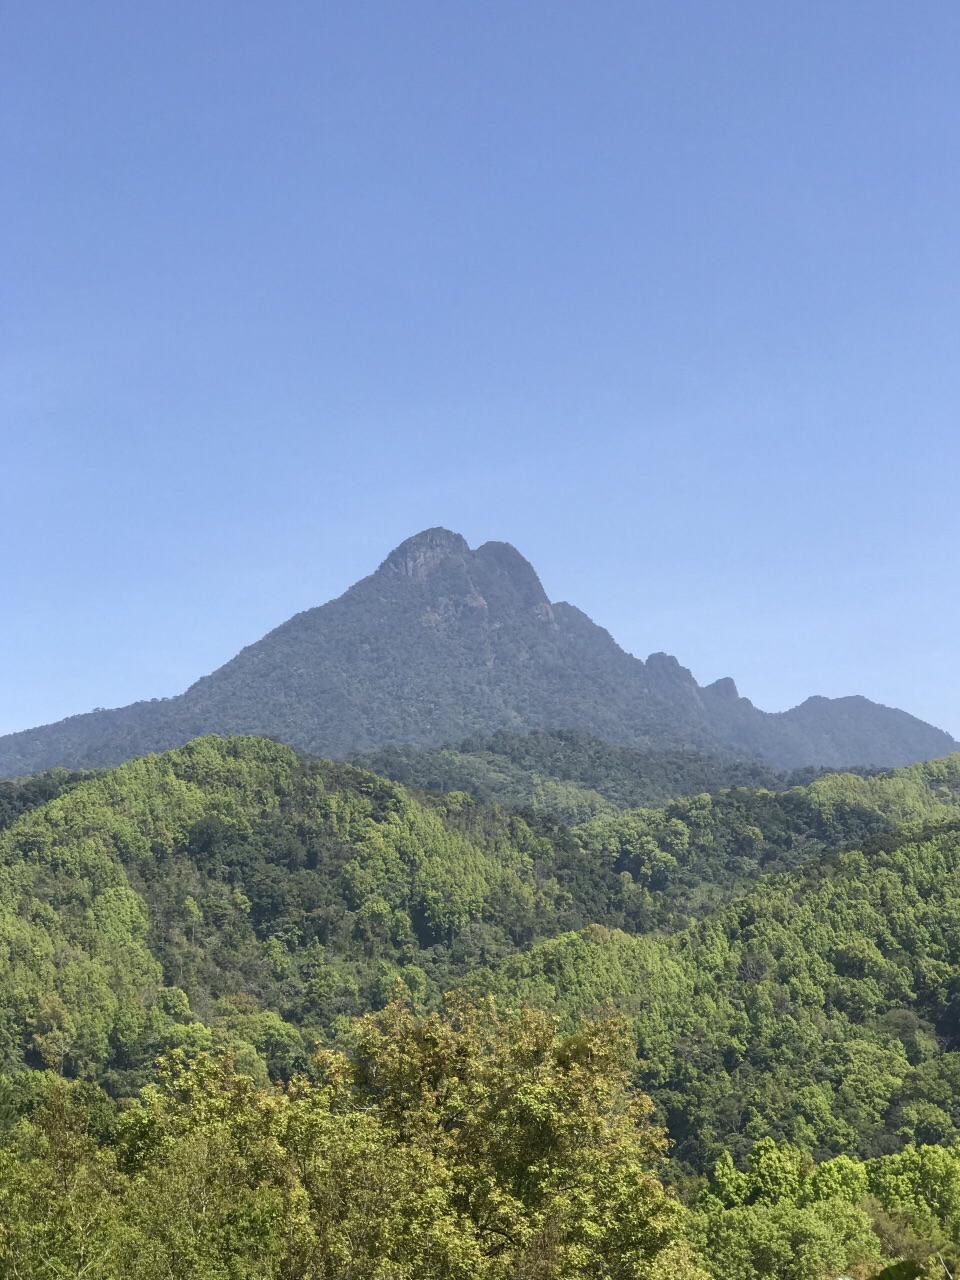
(821, 1008)
(442, 642)
(233, 878)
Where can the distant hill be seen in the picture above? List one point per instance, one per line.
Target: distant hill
(442, 642)
(569, 774)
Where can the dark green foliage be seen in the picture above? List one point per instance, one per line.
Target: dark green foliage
(443, 641)
(695, 853)
(572, 774)
(20, 795)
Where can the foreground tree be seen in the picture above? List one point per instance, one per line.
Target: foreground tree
(463, 1145)
(550, 1157)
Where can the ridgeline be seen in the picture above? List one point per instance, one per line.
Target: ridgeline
(443, 642)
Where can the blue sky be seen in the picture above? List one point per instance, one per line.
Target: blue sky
(667, 295)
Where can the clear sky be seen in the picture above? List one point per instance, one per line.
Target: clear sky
(666, 294)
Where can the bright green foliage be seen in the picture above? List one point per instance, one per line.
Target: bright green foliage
(787, 1242)
(279, 896)
(457, 1147)
(915, 1196)
(76, 973)
(239, 906)
(782, 1218)
(816, 1009)
(254, 878)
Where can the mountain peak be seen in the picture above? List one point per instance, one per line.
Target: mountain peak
(423, 554)
(444, 641)
(418, 556)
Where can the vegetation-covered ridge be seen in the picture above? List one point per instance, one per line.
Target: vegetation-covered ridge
(822, 1008)
(227, 877)
(443, 641)
(572, 775)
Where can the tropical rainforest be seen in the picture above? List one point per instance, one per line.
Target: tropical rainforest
(541, 1008)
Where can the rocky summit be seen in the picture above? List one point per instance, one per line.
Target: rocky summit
(443, 641)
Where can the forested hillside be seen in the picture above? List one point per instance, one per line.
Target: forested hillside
(259, 880)
(442, 642)
(572, 775)
(820, 1008)
(787, 962)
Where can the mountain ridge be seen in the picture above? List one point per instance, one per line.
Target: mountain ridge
(442, 641)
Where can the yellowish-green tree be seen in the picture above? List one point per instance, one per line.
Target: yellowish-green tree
(461, 1145)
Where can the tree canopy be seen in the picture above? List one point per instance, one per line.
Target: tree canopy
(288, 990)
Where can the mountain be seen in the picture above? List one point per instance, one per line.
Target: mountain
(443, 641)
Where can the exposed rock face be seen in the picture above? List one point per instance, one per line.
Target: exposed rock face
(441, 642)
(424, 552)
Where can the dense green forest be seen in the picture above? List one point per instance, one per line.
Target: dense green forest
(460, 1146)
(782, 964)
